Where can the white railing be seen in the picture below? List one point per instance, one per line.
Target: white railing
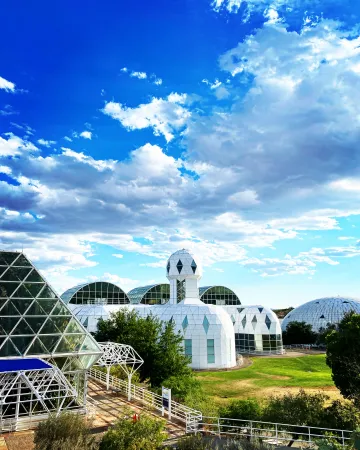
(190, 417)
(273, 432)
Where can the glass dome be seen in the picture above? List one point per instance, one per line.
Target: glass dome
(322, 312)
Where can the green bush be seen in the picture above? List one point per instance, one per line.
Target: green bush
(242, 409)
(66, 431)
(145, 434)
(199, 442)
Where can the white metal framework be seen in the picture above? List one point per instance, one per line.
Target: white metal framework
(31, 388)
(119, 355)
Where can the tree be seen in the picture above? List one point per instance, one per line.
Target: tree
(299, 333)
(66, 431)
(242, 409)
(343, 356)
(296, 409)
(145, 434)
(156, 342)
(323, 332)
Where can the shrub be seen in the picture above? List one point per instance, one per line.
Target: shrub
(66, 431)
(242, 409)
(145, 434)
(213, 443)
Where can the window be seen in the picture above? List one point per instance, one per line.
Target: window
(210, 351)
(188, 348)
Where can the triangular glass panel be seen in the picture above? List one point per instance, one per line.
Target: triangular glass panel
(2, 270)
(89, 345)
(86, 322)
(244, 322)
(168, 267)
(22, 328)
(62, 322)
(179, 266)
(47, 292)
(88, 361)
(22, 292)
(22, 342)
(15, 274)
(50, 342)
(74, 327)
(206, 324)
(22, 304)
(47, 305)
(185, 323)
(34, 277)
(267, 321)
(322, 317)
(9, 309)
(49, 327)
(21, 261)
(260, 310)
(36, 348)
(193, 266)
(7, 324)
(35, 310)
(35, 322)
(6, 258)
(233, 319)
(60, 310)
(8, 349)
(240, 310)
(7, 289)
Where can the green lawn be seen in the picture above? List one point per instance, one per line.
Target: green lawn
(268, 376)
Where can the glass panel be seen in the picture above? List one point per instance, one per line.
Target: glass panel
(47, 292)
(7, 258)
(89, 344)
(22, 261)
(60, 310)
(47, 305)
(49, 342)
(21, 305)
(61, 322)
(6, 289)
(7, 324)
(9, 309)
(37, 348)
(22, 292)
(210, 351)
(74, 327)
(35, 310)
(35, 322)
(8, 349)
(49, 327)
(22, 328)
(22, 342)
(15, 274)
(34, 277)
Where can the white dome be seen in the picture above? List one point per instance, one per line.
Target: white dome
(321, 312)
(200, 323)
(183, 264)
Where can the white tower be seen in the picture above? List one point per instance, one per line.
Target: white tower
(183, 272)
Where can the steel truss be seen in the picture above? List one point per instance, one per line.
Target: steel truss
(33, 392)
(119, 355)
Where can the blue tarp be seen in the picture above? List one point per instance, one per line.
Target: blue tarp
(16, 365)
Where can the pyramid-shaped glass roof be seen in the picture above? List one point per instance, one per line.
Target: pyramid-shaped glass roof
(35, 322)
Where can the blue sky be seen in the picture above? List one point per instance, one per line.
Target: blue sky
(130, 130)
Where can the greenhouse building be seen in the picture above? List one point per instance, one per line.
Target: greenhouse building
(39, 337)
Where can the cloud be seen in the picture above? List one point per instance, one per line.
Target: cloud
(164, 116)
(67, 138)
(8, 111)
(124, 69)
(139, 75)
(118, 255)
(158, 81)
(244, 198)
(81, 157)
(46, 143)
(15, 146)
(86, 134)
(8, 86)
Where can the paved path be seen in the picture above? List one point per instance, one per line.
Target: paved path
(110, 406)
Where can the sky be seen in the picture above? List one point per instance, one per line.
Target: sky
(129, 130)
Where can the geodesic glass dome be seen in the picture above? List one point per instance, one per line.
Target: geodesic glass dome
(322, 312)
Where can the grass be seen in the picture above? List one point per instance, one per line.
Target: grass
(267, 376)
